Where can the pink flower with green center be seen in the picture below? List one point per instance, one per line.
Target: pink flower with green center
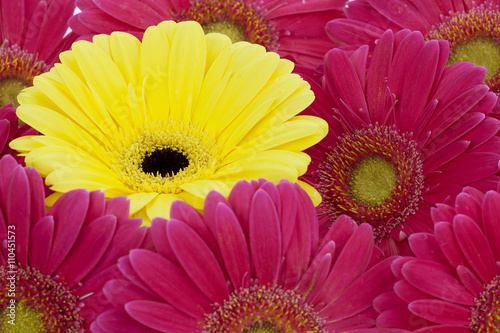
(471, 27)
(294, 29)
(453, 282)
(406, 132)
(53, 265)
(32, 34)
(251, 263)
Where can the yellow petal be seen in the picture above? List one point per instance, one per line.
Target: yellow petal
(311, 192)
(216, 43)
(160, 206)
(201, 188)
(186, 68)
(104, 80)
(139, 200)
(154, 61)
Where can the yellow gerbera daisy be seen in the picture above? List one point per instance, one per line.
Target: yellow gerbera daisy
(173, 117)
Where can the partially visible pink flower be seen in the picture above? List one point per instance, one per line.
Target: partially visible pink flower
(295, 29)
(10, 130)
(53, 265)
(406, 132)
(250, 263)
(32, 35)
(471, 27)
(453, 282)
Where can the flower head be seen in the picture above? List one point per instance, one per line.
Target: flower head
(453, 282)
(53, 265)
(167, 119)
(32, 34)
(471, 27)
(293, 29)
(252, 263)
(406, 132)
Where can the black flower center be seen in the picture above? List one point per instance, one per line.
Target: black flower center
(166, 161)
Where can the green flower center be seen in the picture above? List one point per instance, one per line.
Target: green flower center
(234, 31)
(372, 181)
(21, 319)
(9, 89)
(474, 36)
(238, 19)
(481, 52)
(373, 175)
(31, 301)
(17, 70)
(265, 328)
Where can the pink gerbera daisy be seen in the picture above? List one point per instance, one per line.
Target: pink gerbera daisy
(9, 130)
(453, 282)
(53, 265)
(32, 34)
(471, 27)
(406, 132)
(295, 29)
(251, 264)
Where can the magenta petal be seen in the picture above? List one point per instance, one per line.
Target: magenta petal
(425, 246)
(240, 200)
(441, 312)
(345, 87)
(233, 246)
(128, 235)
(467, 205)
(400, 317)
(437, 280)
(170, 282)
(475, 248)
(444, 155)
(119, 321)
(132, 12)
(128, 270)
(160, 239)
(91, 244)
(449, 245)
(190, 216)
(41, 243)
(265, 238)
(388, 301)
(95, 282)
(69, 213)
(18, 212)
(198, 261)
(120, 292)
(376, 81)
(311, 283)
(408, 292)
(491, 221)
(469, 280)
(161, 317)
(401, 12)
(445, 329)
(379, 278)
(351, 262)
(288, 212)
(420, 77)
(340, 232)
(443, 213)
(37, 194)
